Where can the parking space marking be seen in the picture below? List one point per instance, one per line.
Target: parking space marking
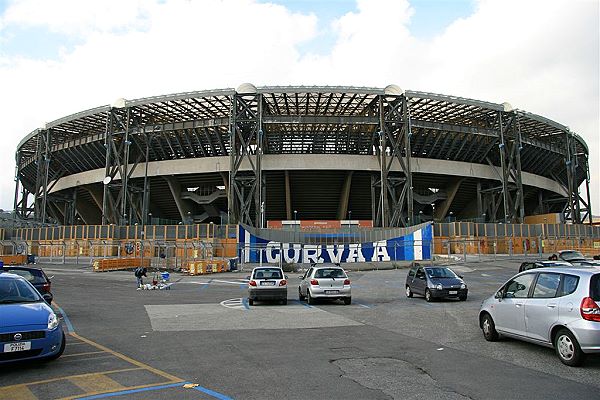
(120, 392)
(65, 317)
(237, 304)
(17, 393)
(128, 359)
(82, 354)
(96, 383)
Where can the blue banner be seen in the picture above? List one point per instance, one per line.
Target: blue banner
(414, 246)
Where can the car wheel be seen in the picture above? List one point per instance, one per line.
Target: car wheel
(462, 298)
(309, 298)
(61, 350)
(489, 328)
(300, 295)
(567, 348)
(428, 297)
(251, 302)
(409, 292)
(347, 300)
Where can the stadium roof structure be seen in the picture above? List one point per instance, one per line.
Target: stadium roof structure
(120, 140)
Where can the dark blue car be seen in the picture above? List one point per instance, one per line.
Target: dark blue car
(435, 283)
(29, 328)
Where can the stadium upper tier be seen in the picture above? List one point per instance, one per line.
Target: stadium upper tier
(315, 126)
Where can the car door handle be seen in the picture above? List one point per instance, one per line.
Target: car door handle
(518, 304)
(551, 305)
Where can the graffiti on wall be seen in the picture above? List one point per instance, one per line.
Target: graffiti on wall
(414, 246)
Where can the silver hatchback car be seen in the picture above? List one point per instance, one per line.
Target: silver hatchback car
(325, 282)
(267, 283)
(553, 307)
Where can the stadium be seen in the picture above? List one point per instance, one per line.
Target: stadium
(252, 155)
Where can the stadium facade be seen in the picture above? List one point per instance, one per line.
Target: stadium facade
(251, 155)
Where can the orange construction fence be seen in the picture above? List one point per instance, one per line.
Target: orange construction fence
(114, 264)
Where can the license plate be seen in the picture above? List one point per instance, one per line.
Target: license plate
(19, 346)
(268, 283)
(453, 292)
(331, 291)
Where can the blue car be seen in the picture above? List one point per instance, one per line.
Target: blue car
(29, 328)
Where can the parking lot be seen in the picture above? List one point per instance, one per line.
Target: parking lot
(130, 344)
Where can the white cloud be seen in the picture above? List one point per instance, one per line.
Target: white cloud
(541, 56)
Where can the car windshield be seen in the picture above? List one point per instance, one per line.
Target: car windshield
(33, 276)
(268, 273)
(571, 255)
(330, 273)
(17, 291)
(440, 273)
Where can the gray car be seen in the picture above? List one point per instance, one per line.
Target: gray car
(325, 282)
(435, 283)
(553, 307)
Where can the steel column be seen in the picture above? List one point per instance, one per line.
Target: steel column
(395, 133)
(247, 142)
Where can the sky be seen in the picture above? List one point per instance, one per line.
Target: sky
(60, 57)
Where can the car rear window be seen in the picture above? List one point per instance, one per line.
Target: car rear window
(268, 274)
(330, 273)
(595, 287)
(33, 276)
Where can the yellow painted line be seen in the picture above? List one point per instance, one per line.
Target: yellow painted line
(116, 390)
(16, 393)
(96, 383)
(172, 378)
(62, 378)
(82, 354)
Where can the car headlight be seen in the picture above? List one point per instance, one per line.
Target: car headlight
(52, 321)
(439, 286)
(463, 286)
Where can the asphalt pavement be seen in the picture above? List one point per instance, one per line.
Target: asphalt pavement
(138, 344)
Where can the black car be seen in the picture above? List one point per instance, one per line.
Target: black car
(527, 265)
(36, 276)
(435, 282)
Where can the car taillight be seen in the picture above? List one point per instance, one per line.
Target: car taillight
(252, 283)
(282, 282)
(314, 282)
(46, 287)
(346, 281)
(590, 310)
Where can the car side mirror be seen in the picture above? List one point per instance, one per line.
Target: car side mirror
(47, 297)
(301, 277)
(248, 277)
(460, 276)
(51, 277)
(498, 294)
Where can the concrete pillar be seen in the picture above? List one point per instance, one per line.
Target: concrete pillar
(342, 210)
(288, 197)
(451, 190)
(185, 209)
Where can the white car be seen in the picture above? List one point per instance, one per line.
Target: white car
(325, 282)
(552, 307)
(267, 283)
